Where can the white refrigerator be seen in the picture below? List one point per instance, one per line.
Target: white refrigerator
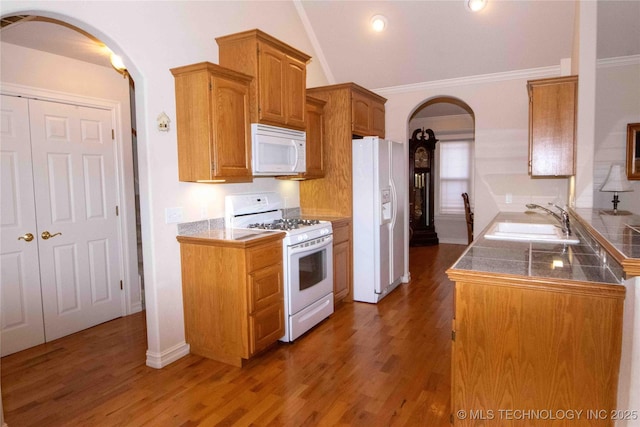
(380, 217)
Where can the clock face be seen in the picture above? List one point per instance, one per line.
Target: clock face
(421, 158)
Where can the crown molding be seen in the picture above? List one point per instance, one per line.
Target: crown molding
(619, 61)
(531, 73)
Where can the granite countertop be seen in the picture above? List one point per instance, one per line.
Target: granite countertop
(621, 231)
(230, 237)
(579, 262)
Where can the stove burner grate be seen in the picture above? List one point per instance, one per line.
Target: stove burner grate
(285, 224)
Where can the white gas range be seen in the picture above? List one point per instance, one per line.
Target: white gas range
(307, 252)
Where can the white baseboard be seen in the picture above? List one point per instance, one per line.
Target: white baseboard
(160, 360)
(453, 241)
(137, 307)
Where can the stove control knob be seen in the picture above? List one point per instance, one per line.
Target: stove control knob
(324, 231)
(302, 237)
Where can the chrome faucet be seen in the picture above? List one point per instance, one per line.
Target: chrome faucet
(563, 218)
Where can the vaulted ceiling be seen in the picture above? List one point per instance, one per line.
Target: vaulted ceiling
(424, 41)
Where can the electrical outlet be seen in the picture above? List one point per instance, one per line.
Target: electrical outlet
(172, 215)
(508, 198)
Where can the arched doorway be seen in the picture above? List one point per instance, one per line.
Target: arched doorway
(73, 68)
(453, 124)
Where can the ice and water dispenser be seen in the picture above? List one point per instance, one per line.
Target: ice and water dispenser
(385, 200)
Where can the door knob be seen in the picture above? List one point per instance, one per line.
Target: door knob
(27, 237)
(46, 235)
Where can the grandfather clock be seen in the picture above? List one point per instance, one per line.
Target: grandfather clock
(421, 172)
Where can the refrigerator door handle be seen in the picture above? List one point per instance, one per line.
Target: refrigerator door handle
(394, 204)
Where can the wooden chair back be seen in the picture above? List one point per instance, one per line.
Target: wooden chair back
(469, 217)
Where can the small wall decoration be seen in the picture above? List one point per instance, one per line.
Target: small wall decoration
(163, 122)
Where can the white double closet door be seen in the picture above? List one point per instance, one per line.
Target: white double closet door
(57, 178)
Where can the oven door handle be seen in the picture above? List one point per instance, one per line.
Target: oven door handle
(296, 249)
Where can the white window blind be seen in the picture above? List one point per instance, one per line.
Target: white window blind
(455, 175)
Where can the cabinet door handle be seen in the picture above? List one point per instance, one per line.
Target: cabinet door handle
(46, 235)
(26, 237)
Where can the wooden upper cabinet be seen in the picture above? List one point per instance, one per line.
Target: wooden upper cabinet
(367, 110)
(332, 195)
(377, 118)
(296, 91)
(315, 138)
(280, 71)
(552, 126)
(212, 115)
(270, 81)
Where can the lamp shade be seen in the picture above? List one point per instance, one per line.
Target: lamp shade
(616, 180)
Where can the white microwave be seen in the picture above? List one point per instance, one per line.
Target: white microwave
(277, 151)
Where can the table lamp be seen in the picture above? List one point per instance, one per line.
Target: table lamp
(616, 182)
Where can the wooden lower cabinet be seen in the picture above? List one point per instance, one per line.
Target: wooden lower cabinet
(233, 298)
(342, 261)
(529, 348)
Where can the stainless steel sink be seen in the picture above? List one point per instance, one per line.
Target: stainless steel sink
(529, 232)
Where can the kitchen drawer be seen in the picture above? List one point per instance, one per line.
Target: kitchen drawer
(265, 287)
(264, 256)
(340, 234)
(266, 327)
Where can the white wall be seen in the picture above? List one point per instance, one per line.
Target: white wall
(501, 106)
(617, 104)
(151, 44)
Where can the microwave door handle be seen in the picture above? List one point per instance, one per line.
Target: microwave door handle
(294, 161)
(296, 154)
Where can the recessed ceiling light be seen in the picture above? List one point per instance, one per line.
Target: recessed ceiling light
(476, 5)
(378, 23)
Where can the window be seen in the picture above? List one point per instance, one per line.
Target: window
(455, 174)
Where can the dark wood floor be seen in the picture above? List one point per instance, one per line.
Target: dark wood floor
(367, 365)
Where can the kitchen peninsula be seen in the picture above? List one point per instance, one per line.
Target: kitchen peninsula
(539, 325)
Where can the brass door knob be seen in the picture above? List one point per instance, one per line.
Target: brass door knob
(46, 235)
(27, 237)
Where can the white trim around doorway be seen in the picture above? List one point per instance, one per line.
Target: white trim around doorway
(126, 197)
